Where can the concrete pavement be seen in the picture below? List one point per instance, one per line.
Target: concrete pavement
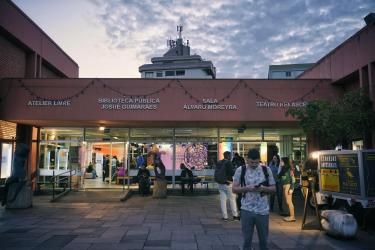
(179, 222)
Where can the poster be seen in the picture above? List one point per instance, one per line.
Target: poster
(329, 173)
(193, 155)
(369, 173)
(340, 173)
(349, 174)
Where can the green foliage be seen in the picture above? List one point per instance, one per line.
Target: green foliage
(337, 123)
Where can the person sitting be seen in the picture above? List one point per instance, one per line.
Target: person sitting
(144, 184)
(90, 169)
(187, 177)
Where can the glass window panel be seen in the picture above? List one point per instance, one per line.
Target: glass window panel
(156, 135)
(59, 156)
(61, 134)
(240, 134)
(106, 134)
(196, 134)
(277, 134)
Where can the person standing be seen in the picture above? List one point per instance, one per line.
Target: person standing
(187, 177)
(254, 181)
(238, 161)
(287, 179)
(224, 177)
(274, 165)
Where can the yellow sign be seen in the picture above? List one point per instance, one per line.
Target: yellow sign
(330, 180)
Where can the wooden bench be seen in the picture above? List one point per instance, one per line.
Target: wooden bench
(206, 180)
(118, 178)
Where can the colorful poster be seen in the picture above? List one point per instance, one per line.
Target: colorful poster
(193, 155)
(349, 174)
(329, 173)
(369, 173)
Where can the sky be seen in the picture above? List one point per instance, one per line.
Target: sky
(112, 38)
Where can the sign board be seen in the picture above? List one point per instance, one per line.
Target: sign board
(340, 173)
(368, 159)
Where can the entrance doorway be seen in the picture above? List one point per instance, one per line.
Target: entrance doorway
(104, 161)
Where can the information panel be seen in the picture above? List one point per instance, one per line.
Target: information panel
(329, 173)
(369, 173)
(349, 174)
(340, 173)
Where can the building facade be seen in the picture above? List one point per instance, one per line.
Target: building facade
(178, 63)
(71, 123)
(25, 52)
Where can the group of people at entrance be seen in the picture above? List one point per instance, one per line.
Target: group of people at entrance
(248, 186)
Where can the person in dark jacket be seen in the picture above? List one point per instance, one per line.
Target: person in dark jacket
(143, 181)
(225, 188)
(275, 167)
(187, 177)
(237, 161)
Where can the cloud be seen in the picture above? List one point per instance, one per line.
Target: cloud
(241, 38)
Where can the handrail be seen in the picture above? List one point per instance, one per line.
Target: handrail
(53, 181)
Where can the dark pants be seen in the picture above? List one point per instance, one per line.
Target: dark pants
(189, 182)
(248, 221)
(278, 195)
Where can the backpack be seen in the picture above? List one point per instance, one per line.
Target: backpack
(221, 172)
(242, 179)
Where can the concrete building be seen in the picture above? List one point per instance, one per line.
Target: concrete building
(178, 63)
(26, 51)
(70, 122)
(287, 71)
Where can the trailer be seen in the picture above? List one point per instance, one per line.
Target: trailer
(347, 180)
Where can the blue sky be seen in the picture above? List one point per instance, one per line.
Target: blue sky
(113, 38)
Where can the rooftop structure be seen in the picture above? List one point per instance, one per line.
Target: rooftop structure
(287, 71)
(178, 63)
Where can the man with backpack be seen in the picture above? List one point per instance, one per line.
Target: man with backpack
(224, 177)
(254, 182)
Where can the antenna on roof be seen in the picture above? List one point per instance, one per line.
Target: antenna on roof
(179, 30)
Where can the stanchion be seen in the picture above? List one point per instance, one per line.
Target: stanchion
(306, 190)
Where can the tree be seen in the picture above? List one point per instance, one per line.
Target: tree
(340, 122)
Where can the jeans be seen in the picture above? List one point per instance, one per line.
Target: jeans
(226, 194)
(248, 221)
(278, 195)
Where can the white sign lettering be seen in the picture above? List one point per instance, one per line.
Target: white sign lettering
(210, 104)
(271, 104)
(127, 103)
(49, 103)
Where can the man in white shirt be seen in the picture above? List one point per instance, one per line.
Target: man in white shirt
(254, 203)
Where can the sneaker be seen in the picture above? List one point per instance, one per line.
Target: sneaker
(225, 219)
(289, 219)
(236, 217)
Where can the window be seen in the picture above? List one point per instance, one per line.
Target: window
(288, 74)
(180, 72)
(149, 74)
(169, 73)
(159, 74)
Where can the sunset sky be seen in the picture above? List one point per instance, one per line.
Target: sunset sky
(113, 38)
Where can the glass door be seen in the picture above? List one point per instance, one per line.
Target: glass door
(104, 163)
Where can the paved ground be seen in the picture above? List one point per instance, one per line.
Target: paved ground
(179, 222)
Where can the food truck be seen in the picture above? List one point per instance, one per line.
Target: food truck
(347, 179)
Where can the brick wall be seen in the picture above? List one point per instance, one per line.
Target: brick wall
(12, 59)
